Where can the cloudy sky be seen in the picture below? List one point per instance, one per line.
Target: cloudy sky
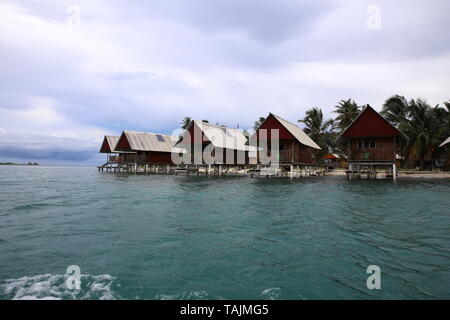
(73, 71)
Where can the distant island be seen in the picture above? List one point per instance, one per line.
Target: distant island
(18, 164)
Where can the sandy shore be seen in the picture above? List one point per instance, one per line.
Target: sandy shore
(404, 174)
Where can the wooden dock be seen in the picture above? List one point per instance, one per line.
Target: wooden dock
(282, 170)
(371, 170)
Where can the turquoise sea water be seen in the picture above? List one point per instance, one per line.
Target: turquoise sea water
(177, 237)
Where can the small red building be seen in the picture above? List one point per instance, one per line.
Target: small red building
(147, 148)
(108, 147)
(295, 146)
(220, 144)
(371, 140)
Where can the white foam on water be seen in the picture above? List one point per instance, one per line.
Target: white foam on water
(191, 295)
(271, 293)
(53, 287)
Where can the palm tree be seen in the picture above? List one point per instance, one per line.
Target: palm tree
(185, 122)
(395, 110)
(319, 130)
(258, 123)
(347, 111)
(444, 115)
(422, 130)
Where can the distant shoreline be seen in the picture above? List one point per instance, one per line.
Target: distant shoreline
(405, 174)
(18, 164)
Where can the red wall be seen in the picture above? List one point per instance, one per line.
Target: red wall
(305, 154)
(159, 157)
(272, 123)
(105, 147)
(385, 149)
(123, 144)
(370, 124)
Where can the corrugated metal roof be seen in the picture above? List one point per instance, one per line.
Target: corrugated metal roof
(445, 142)
(297, 132)
(112, 141)
(223, 137)
(148, 141)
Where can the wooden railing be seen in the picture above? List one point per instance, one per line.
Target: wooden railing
(282, 156)
(130, 158)
(117, 159)
(372, 154)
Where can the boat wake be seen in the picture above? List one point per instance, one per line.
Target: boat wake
(53, 287)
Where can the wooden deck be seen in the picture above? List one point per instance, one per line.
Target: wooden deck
(288, 171)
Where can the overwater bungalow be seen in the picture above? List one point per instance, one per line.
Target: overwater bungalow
(143, 148)
(113, 156)
(371, 142)
(222, 145)
(295, 146)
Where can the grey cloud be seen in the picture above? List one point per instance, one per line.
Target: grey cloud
(46, 154)
(263, 20)
(34, 147)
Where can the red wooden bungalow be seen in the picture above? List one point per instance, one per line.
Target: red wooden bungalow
(226, 145)
(147, 148)
(371, 140)
(295, 146)
(108, 147)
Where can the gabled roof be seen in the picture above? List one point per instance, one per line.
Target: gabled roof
(296, 131)
(109, 144)
(149, 141)
(384, 128)
(445, 142)
(221, 136)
